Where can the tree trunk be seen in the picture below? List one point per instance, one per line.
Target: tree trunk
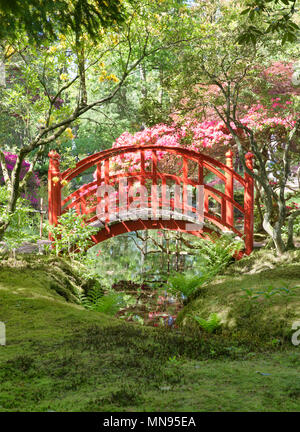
(291, 220)
(260, 227)
(274, 232)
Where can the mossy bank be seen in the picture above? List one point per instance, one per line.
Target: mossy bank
(61, 357)
(257, 300)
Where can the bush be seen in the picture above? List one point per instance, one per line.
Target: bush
(33, 183)
(21, 223)
(71, 235)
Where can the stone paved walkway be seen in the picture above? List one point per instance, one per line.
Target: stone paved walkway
(27, 248)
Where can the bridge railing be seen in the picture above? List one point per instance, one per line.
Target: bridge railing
(149, 173)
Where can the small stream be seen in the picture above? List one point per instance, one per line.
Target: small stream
(148, 305)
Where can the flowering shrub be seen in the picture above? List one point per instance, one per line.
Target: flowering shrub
(33, 184)
(279, 75)
(268, 121)
(272, 121)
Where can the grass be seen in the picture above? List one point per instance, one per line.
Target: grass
(60, 357)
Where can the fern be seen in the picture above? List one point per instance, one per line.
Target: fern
(218, 253)
(186, 284)
(109, 304)
(210, 325)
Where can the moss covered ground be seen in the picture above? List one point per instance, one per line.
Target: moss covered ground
(61, 357)
(257, 300)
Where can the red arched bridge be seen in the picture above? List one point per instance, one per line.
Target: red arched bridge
(156, 187)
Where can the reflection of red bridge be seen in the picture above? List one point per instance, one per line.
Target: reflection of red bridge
(227, 214)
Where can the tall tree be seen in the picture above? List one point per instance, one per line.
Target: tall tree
(53, 83)
(217, 75)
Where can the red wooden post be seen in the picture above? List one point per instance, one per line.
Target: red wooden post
(106, 197)
(200, 171)
(154, 191)
(185, 183)
(143, 178)
(99, 181)
(143, 172)
(54, 189)
(248, 205)
(229, 189)
(206, 203)
(130, 188)
(164, 197)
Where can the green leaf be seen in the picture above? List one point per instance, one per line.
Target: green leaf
(284, 39)
(245, 11)
(252, 15)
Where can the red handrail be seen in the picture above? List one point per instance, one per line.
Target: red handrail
(224, 172)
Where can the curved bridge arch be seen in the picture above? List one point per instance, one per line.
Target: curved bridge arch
(147, 173)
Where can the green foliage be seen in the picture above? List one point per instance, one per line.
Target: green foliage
(269, 17)
(109, 304)
(296, 228)
(268, 292)
(119, 259)
(22, 223)
(214, 258)
(211, 324)
(138, 319)
(152, 112)
(174, 360)
(218, 253)
(187, 254)
(186, 283)
(68, 159)
(71, 236)
(40, 18)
